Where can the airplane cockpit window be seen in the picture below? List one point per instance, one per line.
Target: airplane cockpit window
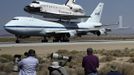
(35, 2)
(15, 19)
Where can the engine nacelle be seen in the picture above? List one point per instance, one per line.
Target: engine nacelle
(72, 33)
(101, 32)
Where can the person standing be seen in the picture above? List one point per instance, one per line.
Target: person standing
(56, 69)
(29, 64)
(90, 63)
(114, 71)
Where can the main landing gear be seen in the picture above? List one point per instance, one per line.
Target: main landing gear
(17, 39)
(63, 38)
(44, 39)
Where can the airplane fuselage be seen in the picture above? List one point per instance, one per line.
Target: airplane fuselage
(36, 27)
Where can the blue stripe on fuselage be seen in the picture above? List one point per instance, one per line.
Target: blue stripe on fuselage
(44, 27)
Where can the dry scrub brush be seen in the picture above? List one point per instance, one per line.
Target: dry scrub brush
(124, 68)
(74, 67)
(126, 52)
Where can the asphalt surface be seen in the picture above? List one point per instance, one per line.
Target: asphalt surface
(93, 42)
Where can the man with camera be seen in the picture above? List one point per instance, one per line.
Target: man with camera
(29, 64)
(90, 63)
(57, 67)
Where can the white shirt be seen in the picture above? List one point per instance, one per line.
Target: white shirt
(28, 66)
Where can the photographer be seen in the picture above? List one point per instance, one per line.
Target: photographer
(90, 63)
(29, 64)
(57, 67)
(16, 59)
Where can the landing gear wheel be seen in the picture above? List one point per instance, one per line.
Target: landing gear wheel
(56, 40)
(44, 40)
(65, 38)
(17, 41)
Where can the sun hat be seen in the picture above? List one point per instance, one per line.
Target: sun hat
(55, 65)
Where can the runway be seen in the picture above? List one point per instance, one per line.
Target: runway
(93, 42)
(43, 49)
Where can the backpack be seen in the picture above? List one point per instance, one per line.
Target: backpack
(53, 69)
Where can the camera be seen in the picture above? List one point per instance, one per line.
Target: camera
(61, 59)
(58, 57)
(16, 59)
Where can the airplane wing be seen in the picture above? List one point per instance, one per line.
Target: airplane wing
(69, 33)
(74, 16)
(110, 24)
(118, 23)
(72, 33)
(61, 31)
(97, 31)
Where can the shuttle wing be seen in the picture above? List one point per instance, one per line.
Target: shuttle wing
(65, 17)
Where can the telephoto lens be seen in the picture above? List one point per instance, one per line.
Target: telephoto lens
(16, 60)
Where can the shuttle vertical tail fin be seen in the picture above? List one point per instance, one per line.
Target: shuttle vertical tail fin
(96, 15)
(70, 2)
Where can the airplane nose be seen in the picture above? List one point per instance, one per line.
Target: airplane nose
(31, 9)
(7, 27)
(10, 29)
(27, 8)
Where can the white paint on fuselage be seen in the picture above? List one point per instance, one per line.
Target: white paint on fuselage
(29, 25)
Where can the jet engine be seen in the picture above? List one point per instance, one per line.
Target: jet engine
(71, 33)
(100, 32)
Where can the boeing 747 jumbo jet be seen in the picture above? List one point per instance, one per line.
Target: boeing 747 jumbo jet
(69, 10)
(60, 31)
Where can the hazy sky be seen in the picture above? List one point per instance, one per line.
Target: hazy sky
(112, 9)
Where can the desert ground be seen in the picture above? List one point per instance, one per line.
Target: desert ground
(123, 54)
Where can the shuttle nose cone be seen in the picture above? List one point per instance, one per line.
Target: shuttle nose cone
(31, 9)
(27, 8)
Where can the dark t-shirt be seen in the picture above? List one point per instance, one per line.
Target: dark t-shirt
(90, 63)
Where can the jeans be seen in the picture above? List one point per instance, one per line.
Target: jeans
(92, 74)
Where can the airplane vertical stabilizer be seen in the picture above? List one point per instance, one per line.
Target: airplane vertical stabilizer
(70, 2)
(96, 15)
